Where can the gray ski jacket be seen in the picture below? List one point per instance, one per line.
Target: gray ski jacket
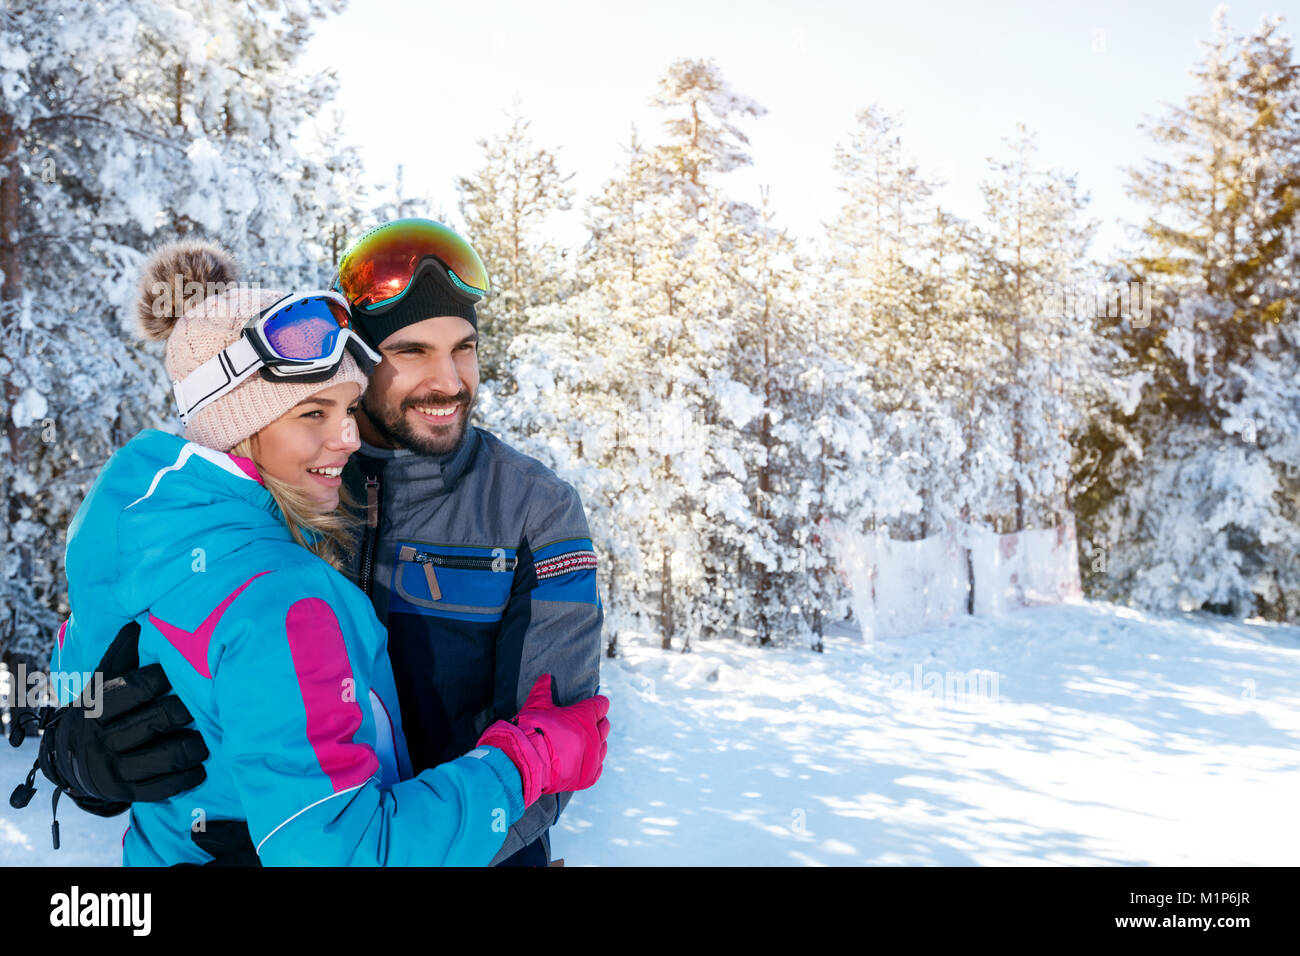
(481, 566)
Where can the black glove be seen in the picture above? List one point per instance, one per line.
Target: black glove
(228, 843)
(135, 750)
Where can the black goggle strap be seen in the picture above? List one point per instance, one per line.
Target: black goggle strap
(362, 351)
(215, 377)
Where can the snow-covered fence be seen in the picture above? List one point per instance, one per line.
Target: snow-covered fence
(904, 586)
(1036, 566)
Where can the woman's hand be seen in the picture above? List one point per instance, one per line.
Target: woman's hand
(556, 749)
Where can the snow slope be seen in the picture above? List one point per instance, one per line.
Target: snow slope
(1110, 737)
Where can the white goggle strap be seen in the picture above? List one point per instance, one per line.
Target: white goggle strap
(215, 377)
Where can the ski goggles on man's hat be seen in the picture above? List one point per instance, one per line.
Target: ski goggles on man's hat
(300, 338)
(381, 267)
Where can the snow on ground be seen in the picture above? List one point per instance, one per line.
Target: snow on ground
(1109, 737)
(1115, 738)
(25, 840)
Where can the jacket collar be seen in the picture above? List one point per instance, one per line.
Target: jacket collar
(435, 475)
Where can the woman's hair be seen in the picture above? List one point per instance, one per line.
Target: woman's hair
(301, 511)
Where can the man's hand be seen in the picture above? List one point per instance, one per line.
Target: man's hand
(136, 749)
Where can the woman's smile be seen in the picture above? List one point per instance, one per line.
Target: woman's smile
(328, 475)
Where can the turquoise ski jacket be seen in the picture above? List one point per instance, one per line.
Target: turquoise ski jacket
(283, 664)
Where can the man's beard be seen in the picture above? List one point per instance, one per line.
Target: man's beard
(400, 433)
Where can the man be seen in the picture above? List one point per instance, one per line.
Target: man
(477, 558)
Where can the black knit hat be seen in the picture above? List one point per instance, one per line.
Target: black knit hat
(424, 300)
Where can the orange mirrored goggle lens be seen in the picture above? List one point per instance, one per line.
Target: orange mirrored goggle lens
(378, 268)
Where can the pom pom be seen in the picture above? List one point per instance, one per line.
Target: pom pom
(177, 278)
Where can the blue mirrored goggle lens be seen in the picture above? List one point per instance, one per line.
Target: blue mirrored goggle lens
(306, 330)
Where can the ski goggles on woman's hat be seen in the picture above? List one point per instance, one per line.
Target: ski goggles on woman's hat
(382, 266)
(300, 338)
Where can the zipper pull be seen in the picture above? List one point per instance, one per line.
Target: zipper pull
(435, 592)
(409, 554)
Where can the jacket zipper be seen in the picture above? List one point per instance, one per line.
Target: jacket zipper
(427, 560)
(373, 498)
(457, 562)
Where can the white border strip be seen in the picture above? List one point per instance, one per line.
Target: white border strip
(308, 807)
(217, 458)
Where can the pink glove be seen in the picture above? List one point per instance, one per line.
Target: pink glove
(556, 749)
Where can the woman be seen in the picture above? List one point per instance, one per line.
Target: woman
(225, 546)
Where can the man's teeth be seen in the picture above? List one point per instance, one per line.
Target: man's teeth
(446, 412)
(331, 472)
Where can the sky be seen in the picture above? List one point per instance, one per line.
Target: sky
(421, 84)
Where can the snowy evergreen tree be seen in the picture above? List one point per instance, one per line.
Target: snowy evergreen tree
(119, 131)
(1036, 248)
(566, 396)
(663, 324)
(700, 399)
(913, 318)
(874, 253)
(664, 337)
(794, 584)
(1195, 478)
(506, 205)
(333, 195)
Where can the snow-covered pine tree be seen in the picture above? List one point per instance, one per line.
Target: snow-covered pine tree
(332, 194)
(704, 405)
(506, 204)
(781, 361)
(963, 483)
(1197, 474)
(613, 294)
(884, 315)
(572, 386)
(119, 131)
(1037, 241)
(663, 401)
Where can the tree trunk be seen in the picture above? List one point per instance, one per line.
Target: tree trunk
(765, 473)
(666, 603)
(611, 647)
(1020, 489)
(180, 94)
(666, 575)
(14, 503)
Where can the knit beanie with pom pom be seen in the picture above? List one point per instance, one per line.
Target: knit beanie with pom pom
(189, 297)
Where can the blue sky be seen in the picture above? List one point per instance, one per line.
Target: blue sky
(421, 83)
